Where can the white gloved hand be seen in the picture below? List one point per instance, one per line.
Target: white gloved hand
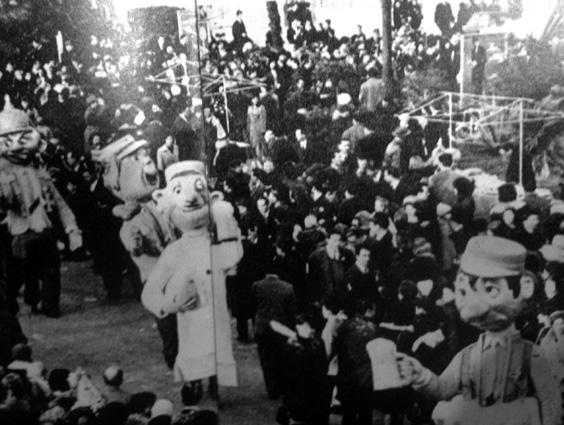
(75, 240)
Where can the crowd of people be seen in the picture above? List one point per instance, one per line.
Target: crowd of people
(353, 220)
(31, 395)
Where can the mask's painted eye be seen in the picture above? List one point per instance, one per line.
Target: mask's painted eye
(491, 289)
(199, 185)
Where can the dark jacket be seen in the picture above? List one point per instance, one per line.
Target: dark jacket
(355, 371)
(326, 275)
(307, 395)
(272, 299)
(10, 334)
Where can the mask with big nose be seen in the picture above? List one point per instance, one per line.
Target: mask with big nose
(488, 287)
(487, 303)
(185, 198)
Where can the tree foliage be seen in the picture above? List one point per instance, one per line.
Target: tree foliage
(424, 84)
(528, 76)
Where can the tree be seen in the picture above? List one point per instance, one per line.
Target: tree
(528, 76)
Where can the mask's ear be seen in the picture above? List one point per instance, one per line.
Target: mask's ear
(158, 195)
(160, 198)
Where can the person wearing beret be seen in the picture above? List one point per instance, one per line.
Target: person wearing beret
(501, 378)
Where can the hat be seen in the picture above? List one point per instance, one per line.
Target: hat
(162, 407)
(310, 221)
(421, 246)
(554, 253)
(344, 99)
(120, 149)
(558, 314)
(21, 352)
(410, 199)
(184, 168)
(557, 208)
(112, 373)
(443, 209)
(13, 120)
(90, 99)
(491, 256)
(363, 218)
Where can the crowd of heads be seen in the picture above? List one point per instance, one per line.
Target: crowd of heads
(32, 394)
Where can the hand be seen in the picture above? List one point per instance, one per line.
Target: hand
(190, 304)
(75, 240)
(409, 368)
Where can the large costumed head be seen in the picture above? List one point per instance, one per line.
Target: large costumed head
(19, 141)
(129, 171)
(185, 198)
(488, 285)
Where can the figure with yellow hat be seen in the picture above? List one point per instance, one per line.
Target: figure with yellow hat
(189, 277)
(132, 176)
(502, 378)
(28, 202)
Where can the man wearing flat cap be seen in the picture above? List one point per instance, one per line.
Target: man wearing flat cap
(501, 378)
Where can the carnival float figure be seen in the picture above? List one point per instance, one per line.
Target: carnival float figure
(29, 202)
(502, 378)
(132, 176)
(189, 277)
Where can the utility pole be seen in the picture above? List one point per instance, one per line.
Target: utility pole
(387, 46)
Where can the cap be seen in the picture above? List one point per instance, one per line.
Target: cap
(344, 99)
(421, 246)
(13, 120)
(120, 149)
(558, 314)
(491, 256)
(554, 253)
(557, 208)
(184, 168)
(112, 373)
(363, 218)
(443, 209)
(162, 407)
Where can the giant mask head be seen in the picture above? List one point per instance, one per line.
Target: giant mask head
(185, 199)
(129, 171)
(487, 287)
(19, 142)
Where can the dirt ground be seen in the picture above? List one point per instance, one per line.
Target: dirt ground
(94, 336)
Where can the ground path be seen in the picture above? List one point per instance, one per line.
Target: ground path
(94, 336)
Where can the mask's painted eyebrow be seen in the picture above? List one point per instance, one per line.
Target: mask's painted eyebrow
(471, 279)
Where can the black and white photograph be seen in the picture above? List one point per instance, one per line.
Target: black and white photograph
(282, 212)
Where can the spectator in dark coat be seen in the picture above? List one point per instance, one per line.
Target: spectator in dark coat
(380, 242)
(327, 266)
(272, 299)
(444, 17)
(239, 31)
(10, 334)
(230, 154)
(307, 392)
(185, 135)
(360, 281)
(479, 59)
(354, 379)
(511, 151)
(351, 204)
